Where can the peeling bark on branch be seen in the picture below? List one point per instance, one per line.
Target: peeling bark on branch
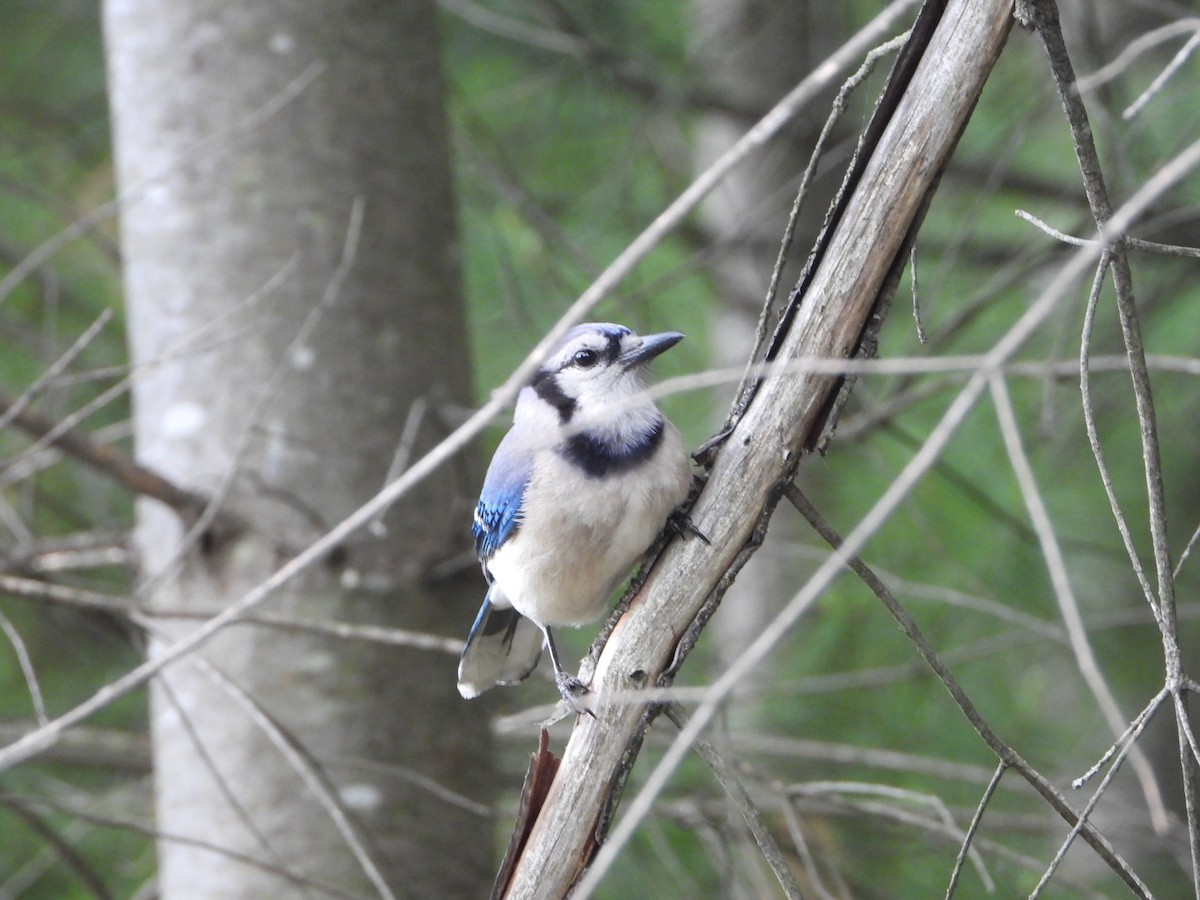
(762, 450)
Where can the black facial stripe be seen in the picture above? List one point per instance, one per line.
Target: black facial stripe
(597, 458)
(613, 350)
(546, 386)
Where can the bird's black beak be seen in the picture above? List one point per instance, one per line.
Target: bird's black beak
(651, 346)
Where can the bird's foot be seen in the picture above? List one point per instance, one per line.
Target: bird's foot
(573, 691)
(681, 523)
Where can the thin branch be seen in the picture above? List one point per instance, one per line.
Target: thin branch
(58, 593)
(1131, 242)
(974, 827)
(841, 103)
(54, 369)
(1134, 728)
(1188, 767)
(1093, 433)
(1135, 48)
(126, 753)
(527, 33)
(916, 297)
(944, 819)
(404, 448)
(1127, 747)
(793, 749)
(108, 459)
(1047, 24)
(73, 858)
(376, 634)
(1187, 551)
(1163, 77)
(742, 802)
(796, 830)
(27, 670)
(209, 763)
(82, 550)
(169, 837)
(1005, 754)
(1081, 648)
(302, 762)
(1048, 27)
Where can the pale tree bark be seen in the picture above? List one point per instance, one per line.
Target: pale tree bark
(292, 285)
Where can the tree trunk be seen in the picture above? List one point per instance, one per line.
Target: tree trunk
(279, 350)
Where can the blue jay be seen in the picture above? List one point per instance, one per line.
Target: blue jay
(577, 490)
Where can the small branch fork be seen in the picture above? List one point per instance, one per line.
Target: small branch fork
(1044, 17)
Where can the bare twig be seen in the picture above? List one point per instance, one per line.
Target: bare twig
(19, 586)
(742, 802)
(1135, 48)
(55, 369)
(1101, 207)
(84, 815)
(180, 712)
(301, 761)
(1047, 25)
(1093, 433)
(44, 253)
(973, 827)
(404, 447)
(1163, 77)
(1081, 648)
(944, 819)
(1008, 757)
(916, 297)
(74, 860)
(110, 460)
(1131, 242)
(841, 103)
(26, 664)
(1135, 727)
(1126, 747)
(1187, 551)
(796, 829)
(376, 634)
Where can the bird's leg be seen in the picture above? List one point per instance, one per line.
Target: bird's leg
(571, 688)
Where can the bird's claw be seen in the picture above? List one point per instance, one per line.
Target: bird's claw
(681, 523)
(573, 691)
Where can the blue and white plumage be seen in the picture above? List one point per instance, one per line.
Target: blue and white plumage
(577, 490)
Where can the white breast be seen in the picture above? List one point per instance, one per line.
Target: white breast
(579, 536)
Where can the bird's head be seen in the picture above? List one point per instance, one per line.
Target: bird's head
(597, 368)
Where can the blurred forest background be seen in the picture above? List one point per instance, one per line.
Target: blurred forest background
(571, 126)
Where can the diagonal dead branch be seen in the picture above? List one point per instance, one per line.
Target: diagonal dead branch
(924, 119)
(1007, 756)
(105, 458)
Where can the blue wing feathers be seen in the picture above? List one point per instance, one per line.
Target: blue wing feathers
(498, 513)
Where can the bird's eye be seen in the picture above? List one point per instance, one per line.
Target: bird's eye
(586, 358)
